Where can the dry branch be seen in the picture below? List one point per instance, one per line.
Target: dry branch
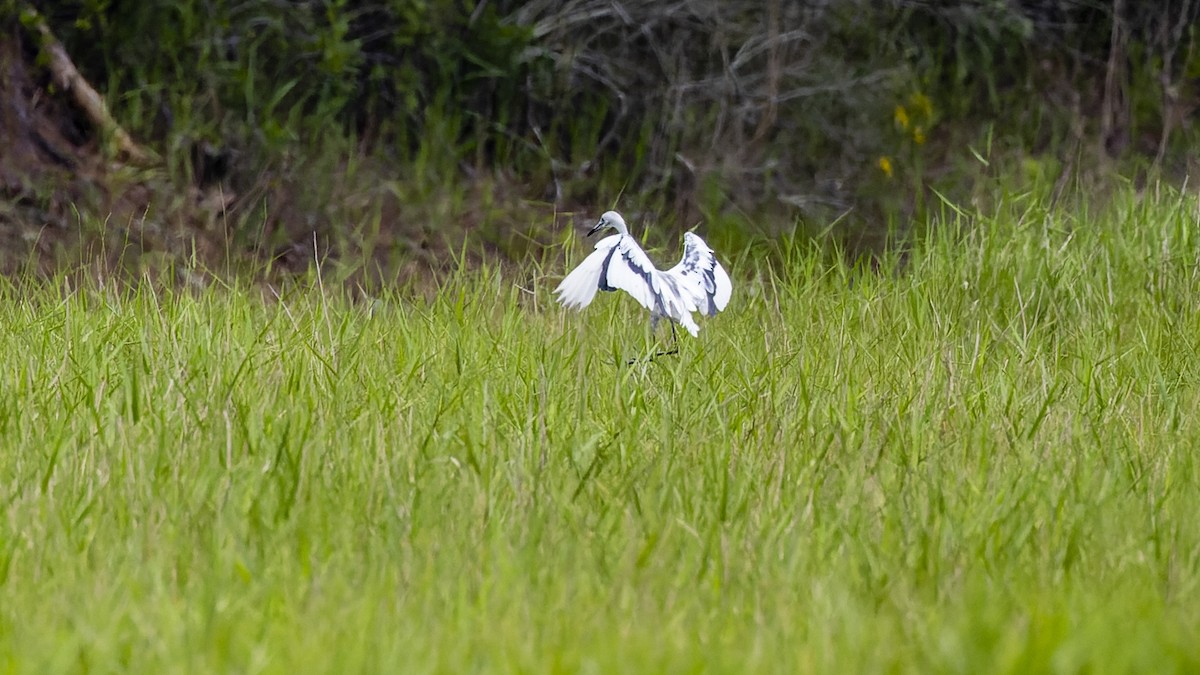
(68, 78)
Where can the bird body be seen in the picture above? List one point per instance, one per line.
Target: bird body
(697, 284)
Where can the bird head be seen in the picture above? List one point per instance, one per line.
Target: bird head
(610, 220)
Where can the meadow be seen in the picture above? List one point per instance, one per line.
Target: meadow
(980, 457)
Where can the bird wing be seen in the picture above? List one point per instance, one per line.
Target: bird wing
(701, 276)
(579, 287)
(617, 263)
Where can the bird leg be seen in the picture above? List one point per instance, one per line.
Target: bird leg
(674, 343)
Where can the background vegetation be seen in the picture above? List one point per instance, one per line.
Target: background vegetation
(393, 131)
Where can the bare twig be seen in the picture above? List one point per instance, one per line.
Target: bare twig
(1170, 36)
(767, 120)
(69, 79)
(1114, 84)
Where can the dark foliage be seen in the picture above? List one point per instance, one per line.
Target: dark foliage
(696, 107)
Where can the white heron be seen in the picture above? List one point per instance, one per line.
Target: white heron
(697, 284)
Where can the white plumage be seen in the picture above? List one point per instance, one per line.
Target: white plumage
(697, 284)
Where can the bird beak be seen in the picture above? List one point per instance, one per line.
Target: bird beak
(595, 228)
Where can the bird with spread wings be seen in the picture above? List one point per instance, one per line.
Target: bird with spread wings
(697, 284)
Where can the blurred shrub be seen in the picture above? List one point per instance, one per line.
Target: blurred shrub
(701, 105)
(272, 72)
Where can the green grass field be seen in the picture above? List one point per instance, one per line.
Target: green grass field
(981, 461)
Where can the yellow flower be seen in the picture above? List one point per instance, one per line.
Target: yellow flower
(901, 117)
(921, 103)
(885, 165)
(919, 136)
